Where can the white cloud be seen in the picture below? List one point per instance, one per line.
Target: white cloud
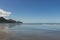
(4, 13)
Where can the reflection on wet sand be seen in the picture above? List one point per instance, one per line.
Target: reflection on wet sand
(4, 33)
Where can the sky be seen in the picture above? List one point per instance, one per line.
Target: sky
(31, 11)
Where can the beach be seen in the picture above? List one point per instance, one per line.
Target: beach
(29, 32)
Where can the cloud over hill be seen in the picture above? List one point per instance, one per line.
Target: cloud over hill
(4, 13)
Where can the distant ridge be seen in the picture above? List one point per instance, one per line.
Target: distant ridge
(3, 20)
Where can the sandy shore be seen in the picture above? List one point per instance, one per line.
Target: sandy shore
(7, 36)
(16, 34)
(34, 38)
(3, 35)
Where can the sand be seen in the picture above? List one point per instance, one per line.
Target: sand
(3, 35)
(33, 37)
(7, 36)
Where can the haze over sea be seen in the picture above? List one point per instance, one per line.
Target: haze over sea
(32, 31)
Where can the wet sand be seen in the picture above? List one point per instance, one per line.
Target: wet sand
(34, 38)
(3, 35)
(28, 33)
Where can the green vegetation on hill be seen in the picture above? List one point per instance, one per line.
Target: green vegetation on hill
(3, 20)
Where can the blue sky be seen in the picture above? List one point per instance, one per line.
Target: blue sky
(33, 11)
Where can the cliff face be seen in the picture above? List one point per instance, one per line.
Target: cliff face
(3, 20)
